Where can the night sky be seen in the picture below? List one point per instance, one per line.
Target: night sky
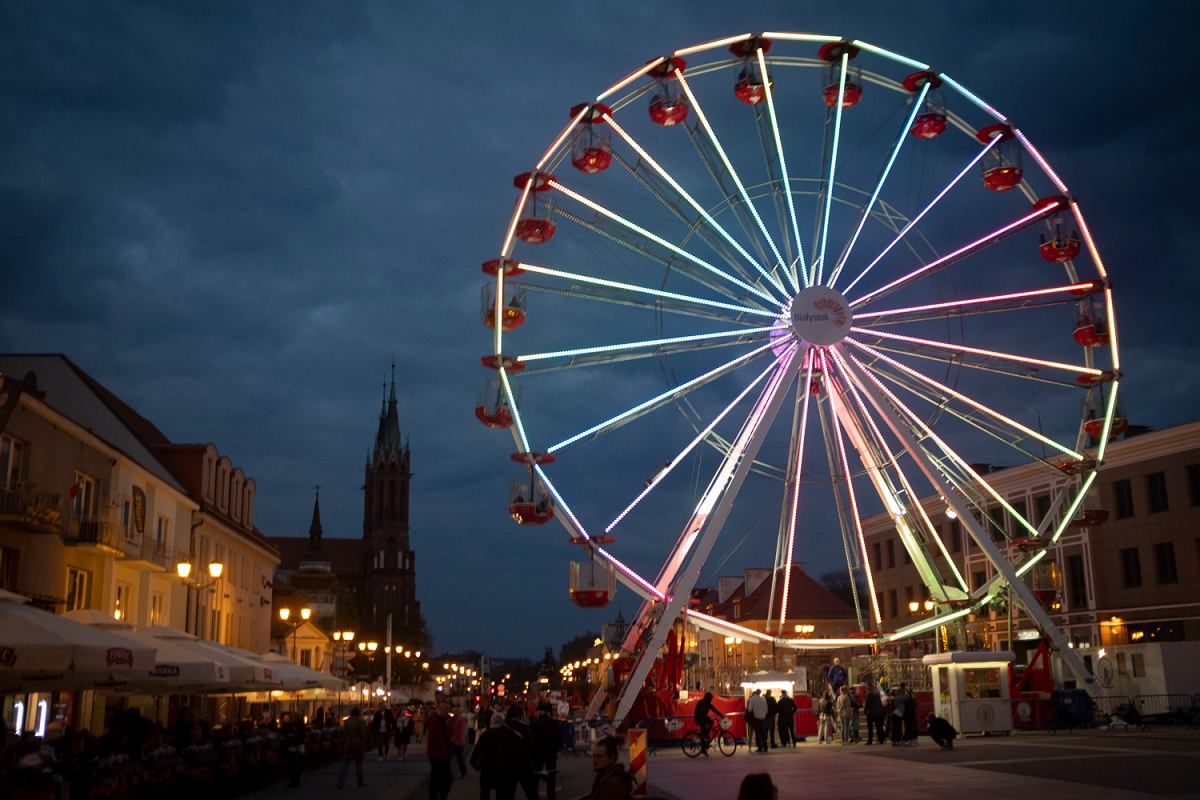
(237, 215)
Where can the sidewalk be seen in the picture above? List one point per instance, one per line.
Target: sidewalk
(574, 780)
(386, 780)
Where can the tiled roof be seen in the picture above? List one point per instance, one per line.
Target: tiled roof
(807, 599)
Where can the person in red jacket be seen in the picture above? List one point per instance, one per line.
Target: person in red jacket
(439, 749)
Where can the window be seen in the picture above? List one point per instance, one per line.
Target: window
(306, 657)
(1076, 582)
(1021, 509)
(83, 496)
(1193, 482)
(1041, 507)
(1164, 560)
(162, 533)
(956, 535)
(877, 561)
(1122, 664)
(1138, 662)
(156, 608)
(1131, 567)
(11, 459)
(978, 579)
(9, 560)
(79, 588)
(891, 552)
(1156, 490)
(892, 608)
(908, 595)
(123, 603)
(1122, 499)
(127, 517)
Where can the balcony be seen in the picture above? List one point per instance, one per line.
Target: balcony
(91, 531)
(148, 552)
(24, 508)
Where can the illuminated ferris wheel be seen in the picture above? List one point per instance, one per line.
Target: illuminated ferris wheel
(801, 279)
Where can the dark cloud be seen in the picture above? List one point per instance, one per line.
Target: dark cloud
(236, 215)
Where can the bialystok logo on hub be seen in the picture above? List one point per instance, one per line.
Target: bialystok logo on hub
(820, 316)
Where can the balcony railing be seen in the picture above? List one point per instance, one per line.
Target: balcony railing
(146, 548)
(84, 530)
(39, 511)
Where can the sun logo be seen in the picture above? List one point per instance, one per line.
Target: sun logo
(834, 308)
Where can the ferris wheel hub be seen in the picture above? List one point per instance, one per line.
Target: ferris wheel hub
(820, 316)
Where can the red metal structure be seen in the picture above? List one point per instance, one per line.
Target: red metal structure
(930, 122)
(535, 225)
(1002, 167)
(750, 86)
(831, 53)
(591, 144)
(668, 106)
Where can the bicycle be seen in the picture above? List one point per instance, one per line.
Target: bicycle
(726, 742)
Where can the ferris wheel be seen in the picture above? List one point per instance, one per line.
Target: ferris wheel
(772, 285)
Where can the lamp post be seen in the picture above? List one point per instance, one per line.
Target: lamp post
(184, 570)
(285, 614)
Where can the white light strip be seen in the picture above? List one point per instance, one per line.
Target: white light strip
(1087, 237)
(862, 541)
(1070, 513)
(787, 183)
(795, 506)
(962, 348)
(996, 298)
(970, 96)
(611, 348)
(629, 287)
(833, 154)
(699, 48)
(879, 51)
(684, 194)
(679, 251)
(1045, 165)
(700, 437)
(728, 365)
(712, 135)
(924, 625)
(562, 137)
(630, 78)
(506, 248)
(953, 182)
(1109, 413)
(946, 390)
(904, 136)
(801, 37)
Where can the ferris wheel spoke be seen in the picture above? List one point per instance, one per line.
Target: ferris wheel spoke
(745, 334)
(620, 357)
(929, 207)
(915, 423)
(948, 393)
(793, 278)
(666, 470)
(780, 262)
(797, 474)
(966, 250)
(981, 366)
(660, 241)
(621, 289)
(961, 349)
(687, 198)
(1009, 301)
(866, 212)
(881, 452)
(839, 475)
(654, 306)
(659, 400)
(830, 185)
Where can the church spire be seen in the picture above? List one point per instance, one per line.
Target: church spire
(315, 530)
(388, 443)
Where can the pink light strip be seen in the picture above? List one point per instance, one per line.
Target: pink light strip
(1033, 151)
(962, 348)
(1087, 237)
(995, 298)
(633, 76)
(791, 542)
(862, 541)
(1025, 220)
(965, 399)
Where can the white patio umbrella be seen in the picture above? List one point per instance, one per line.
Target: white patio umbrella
(40, 650)
(246, 670)
(296, 676)
(178, 667)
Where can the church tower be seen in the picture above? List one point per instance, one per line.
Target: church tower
(389, 564)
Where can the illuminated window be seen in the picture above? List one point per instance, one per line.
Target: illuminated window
(83, 496)
(79, 588)
(156, 608)
(11, 461)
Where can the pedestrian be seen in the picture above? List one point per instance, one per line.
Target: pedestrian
(293, 741)
(756, 708)
(787, 720)
(826, 711)
(515, 719)
(419, 714)
(757, 786)
(497, 755)
(874, 706)
(855, 707)
(703, 721)
(404, 733)
(457, 726)
(900, 699)
(910, 719)
(383, 730)
(354, 746)
(772, 716)
(836, 676)
(547, 741)
(437, 748)
(941, 731)
(844, 710)
(611, 781)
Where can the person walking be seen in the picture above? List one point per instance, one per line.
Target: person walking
(844, 709)
(515, 719)
(354, 746)
(457, 726)
(498, 755)
(547, 741)
(772, 716)
(404, 733)
(910, 719)
(874, 708)
(756, 706)
(293, 741)
(383, 729)
(438, 749)
(787, 720)
(826, 711)
(900, 699)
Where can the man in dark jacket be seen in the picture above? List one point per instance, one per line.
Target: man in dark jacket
(786, 708)
(515, 719)
(772, 717)
(612, 782)
(874, 709)
(499, 755)
(438, 749)
(293, 742)
(941, 731)
(837, 676)
(547, 741)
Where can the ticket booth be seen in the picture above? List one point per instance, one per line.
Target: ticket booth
(970, 690)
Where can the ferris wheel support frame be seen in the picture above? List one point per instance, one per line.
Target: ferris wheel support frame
(894, 420)
(703, 529)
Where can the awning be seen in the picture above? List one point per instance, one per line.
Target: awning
(43, 650)
(178, 666)
(247, 672)
(296, 676)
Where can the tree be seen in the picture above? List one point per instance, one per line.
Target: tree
(838, 584)
(577, 648)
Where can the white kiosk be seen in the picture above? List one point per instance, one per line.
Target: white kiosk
(970, 690)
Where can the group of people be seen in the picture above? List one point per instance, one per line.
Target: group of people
(766, 716)
(513, 750)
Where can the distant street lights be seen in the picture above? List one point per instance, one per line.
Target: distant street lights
(284, 615)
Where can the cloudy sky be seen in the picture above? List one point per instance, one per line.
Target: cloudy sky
(236, 215)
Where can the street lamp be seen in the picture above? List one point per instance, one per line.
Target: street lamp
(285, 614)
(342, 641)
(919, 608)
(184, 570)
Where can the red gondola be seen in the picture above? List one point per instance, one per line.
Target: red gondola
(930, 122)
(491, 405)
(591, 144)
(535, 225)
(750, 86)
(668, 105)
(831, 53)
(512, 313)
(529, 501)
(1002, 166)
(591, 584)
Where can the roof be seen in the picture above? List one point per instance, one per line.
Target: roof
(807, 599)
(85, 401)
(344, 555)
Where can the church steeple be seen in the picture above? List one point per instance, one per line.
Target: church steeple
(388, 443)
(315, 530)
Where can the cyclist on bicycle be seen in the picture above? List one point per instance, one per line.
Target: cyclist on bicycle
(703, 720)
